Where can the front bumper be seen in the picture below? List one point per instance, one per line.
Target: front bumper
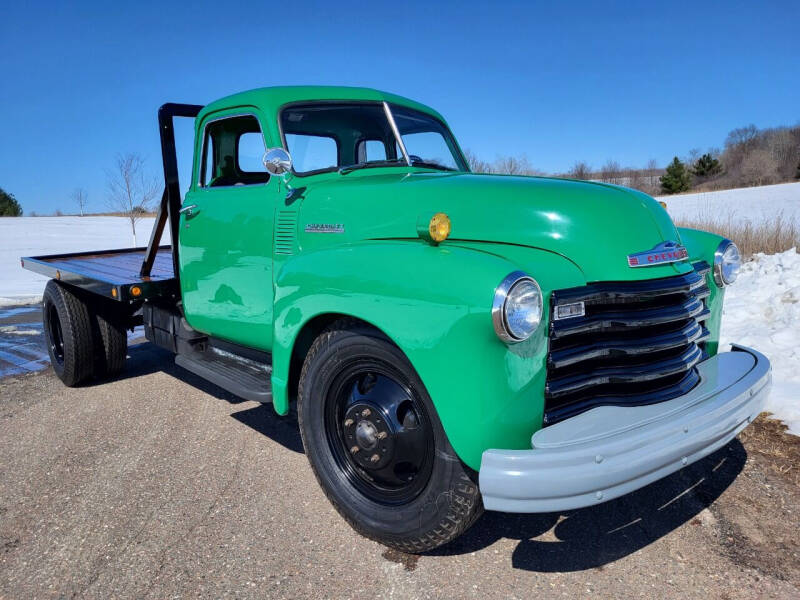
(610, 451)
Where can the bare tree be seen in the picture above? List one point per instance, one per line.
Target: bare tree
(477, 165)
(79, 196)
(742, 136)
(611, 172)
(130, 189)
(580, 170)
(653, 173)
(511, 165)
(759, 168)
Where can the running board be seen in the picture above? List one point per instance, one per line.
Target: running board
(246, 378)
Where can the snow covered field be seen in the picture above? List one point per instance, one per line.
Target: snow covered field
(33, 236)
(740, 205)
(762, 309)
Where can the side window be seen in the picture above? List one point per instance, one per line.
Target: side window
(250, 152)
(312, 152)
(232, 151)
(371, 150)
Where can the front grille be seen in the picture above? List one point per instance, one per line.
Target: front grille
(637, 343)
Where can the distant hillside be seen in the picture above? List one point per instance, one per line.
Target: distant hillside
(750, 157)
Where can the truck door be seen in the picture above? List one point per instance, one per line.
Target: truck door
(226, 226)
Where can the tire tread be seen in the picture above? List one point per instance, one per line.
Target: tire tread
(464, 502)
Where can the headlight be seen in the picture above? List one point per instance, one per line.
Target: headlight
(517, 307)
(727, 263)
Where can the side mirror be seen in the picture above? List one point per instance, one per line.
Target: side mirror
(277, 161)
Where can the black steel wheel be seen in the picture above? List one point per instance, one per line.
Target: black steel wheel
(379, 432)
(68, 333)
(54, 335)
(375, 443)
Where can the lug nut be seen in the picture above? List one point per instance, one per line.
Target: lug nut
(374, 458)
(354, 449)
(348, 422)
(382, 435)
(366, 412)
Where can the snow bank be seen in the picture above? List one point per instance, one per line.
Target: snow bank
(754, 204)
(762, 310)
(33, 236)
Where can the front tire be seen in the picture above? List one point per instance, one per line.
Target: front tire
(376, 445)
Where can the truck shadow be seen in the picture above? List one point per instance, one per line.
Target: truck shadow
(595, 536)
(551, 542)
(146, 358)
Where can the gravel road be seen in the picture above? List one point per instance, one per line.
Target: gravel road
(159, 485)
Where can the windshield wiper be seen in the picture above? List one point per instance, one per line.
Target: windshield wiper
(374, 163)
(429, 165)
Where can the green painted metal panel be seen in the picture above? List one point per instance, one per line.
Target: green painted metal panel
(255, 247)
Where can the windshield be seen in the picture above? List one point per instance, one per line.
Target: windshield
(328, 136)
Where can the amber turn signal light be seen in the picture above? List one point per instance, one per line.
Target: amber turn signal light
(663, 204)
(433, 229)
(136, 291)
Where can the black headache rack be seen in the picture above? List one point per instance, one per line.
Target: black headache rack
(132, 274)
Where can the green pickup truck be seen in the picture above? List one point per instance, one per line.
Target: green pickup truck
(452, 341)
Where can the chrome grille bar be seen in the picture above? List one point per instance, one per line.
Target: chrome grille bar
(637, 343)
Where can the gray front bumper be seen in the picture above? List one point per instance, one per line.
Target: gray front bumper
(610, 451)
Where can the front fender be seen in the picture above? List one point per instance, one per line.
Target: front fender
(702, 245)
(434, 302)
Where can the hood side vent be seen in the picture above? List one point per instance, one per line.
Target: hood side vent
(285, 231)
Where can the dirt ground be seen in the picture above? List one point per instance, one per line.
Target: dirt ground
(159, 485)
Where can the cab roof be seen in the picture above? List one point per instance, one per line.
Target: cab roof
(271, 99)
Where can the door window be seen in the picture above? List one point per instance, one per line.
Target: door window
(233, 148)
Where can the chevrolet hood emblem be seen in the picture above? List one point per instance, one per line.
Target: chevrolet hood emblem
(663, 253)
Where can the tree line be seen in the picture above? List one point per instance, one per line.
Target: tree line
(750, 157)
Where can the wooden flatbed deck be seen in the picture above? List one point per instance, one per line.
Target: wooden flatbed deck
(110, 273)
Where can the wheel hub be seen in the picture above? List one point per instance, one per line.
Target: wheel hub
(369, 436)
(379, 433)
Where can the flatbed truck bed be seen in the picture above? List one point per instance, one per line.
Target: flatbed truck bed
(114, 274)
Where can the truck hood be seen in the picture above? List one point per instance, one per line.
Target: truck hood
(596, 226)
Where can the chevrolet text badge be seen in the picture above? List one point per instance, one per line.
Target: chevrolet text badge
(324, 228)
(663, 253)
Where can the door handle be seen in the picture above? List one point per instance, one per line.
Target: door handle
(188, 210)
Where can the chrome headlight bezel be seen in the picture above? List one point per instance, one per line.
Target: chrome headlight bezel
(500, 304)
(727, 253)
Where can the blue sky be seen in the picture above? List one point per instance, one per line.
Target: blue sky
(557, 82)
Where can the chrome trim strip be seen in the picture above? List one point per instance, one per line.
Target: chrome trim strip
(396, 132)
(622, 320)
(692, 332)
(656, 370)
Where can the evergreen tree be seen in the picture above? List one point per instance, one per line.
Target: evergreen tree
(706, 166)
(676, 178)
(9, 207)
(797, 175)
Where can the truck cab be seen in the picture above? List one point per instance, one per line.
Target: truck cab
(452, 341)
